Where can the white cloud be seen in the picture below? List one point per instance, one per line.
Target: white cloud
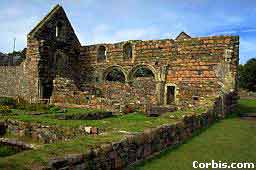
(105, 34)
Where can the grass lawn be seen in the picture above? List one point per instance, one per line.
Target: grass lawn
(133, 122)
(6, 151)
(230, 140)
(247, 106)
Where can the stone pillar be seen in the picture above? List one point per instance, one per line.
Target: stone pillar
(160, 92)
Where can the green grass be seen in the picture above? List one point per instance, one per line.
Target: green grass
(230, 140)
(6, 151)
(247, 106)
(40, 157)
(129, 122)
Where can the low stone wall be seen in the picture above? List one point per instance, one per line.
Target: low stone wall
(45, 133)
(138, 147)
(85, 116)
(16, 145)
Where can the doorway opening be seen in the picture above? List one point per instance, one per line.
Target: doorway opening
(47, 88)
(170, 95)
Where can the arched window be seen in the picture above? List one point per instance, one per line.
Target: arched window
(115, 75)
(59, 29)
(143, 72)
(102, 54)
(127, 51)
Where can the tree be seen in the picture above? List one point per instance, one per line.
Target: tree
(247, 75)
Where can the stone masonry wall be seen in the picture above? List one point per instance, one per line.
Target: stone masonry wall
(13, 81)
(197, 67)
(9, 76)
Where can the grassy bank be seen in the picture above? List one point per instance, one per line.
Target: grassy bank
(230, 140)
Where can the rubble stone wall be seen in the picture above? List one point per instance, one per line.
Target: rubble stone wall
(45, 133)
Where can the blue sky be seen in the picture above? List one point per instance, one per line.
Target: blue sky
(97, 21)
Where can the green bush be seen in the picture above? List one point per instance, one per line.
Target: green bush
(5, 109)
(7, 101)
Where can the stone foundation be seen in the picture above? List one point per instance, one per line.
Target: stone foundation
(45, 133)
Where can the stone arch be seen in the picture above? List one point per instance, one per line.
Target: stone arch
(142, 66)
(110, 69)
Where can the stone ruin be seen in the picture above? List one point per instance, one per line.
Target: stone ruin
(58, 69)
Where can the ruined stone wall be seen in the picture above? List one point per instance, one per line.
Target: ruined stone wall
(45, 133)
(13, 81)
(53, 49)
(9, 78)
(198, 67)
(202, 64)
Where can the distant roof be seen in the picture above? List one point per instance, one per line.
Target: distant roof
(6, 60)
(2, 54)
(182, 36)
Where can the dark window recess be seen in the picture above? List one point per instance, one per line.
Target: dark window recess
(127, 51)
(200, 72)
(102, 54)
(115, 75)
(59, 29)
(143, 72)
(97, 79)
(195, 98)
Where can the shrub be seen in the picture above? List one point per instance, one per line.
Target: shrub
(5, 109)
(7, 101)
